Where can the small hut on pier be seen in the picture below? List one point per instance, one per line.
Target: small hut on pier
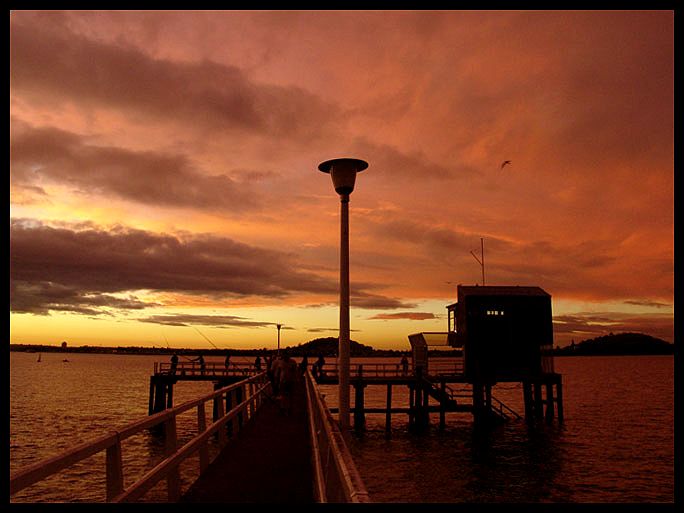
(506, 331)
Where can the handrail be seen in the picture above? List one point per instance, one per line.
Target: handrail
(336, 478)
(503, 406)
(454, 366)
(168, 468)
(209, 368)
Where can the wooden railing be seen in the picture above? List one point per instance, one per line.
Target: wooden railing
(504, 409)
(210, 369)
(336, 478)
(252, 389)
(436, 368)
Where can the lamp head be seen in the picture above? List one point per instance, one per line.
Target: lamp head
(343, 172)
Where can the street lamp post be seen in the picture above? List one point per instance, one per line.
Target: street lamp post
(343, 172)
(279, 326)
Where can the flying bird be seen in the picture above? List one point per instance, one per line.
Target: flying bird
(504, 163)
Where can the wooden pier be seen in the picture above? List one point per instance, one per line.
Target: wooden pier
(166, 375)
(474, 398)
(255, 440)
(257, 447)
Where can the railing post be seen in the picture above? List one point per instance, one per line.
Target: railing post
(114, 470)
(527, 400)
(229, 406)
(442, 404)
(150, 408)
(220, 413)
(559, 399)
(251, 405)
(240, 397)
(201, 428)
(169, 395)
(171, 443)
(388, 413)
(549, 401)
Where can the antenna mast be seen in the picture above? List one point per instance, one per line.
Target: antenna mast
(481, 262)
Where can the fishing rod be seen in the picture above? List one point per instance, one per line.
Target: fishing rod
(206, 338)
(242, 359)
(167, 340)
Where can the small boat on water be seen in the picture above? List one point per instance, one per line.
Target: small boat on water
(65, 360)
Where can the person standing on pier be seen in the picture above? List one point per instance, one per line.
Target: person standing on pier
(304, 365)
(200, 359)
(174, 363)
(227, 362)
(404, 365)
(286, 376)
(257, 363)
(319, 364)
(274, 374)
(269, 370)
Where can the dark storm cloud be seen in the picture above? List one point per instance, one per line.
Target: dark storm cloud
(412, 316)
(94, 261)
(48, 63)
(43, 297)
(215, 321)
(39, 155)
(77, 267)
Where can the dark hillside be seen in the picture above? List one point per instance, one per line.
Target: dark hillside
(619, 344)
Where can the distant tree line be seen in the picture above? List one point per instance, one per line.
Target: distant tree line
(617, 344)
(320, 346)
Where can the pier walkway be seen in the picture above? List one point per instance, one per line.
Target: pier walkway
(269, 461)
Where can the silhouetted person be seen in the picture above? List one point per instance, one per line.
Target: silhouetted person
(304, 364)
(227, 361)
(200, 359)
(320, 363)
(269, 370)
(286, 375)
(275, 367)
(174, 363)
(257, 363)
(404, 365)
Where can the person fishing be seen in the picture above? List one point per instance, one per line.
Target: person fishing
(174, 363)
(200, 360)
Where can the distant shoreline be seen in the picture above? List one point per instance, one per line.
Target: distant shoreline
(151, 351)
(380, 353)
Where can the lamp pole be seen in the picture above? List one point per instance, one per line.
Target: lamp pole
(343, 172)
(278, 326)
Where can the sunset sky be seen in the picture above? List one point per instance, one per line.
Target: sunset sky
(164, 183)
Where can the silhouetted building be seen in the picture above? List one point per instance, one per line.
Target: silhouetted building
(506, 332)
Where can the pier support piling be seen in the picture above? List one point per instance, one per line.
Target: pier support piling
(559, 399)
(388, 414)
(359, 414)
(549, 402)
(538, 403)
(527, 400)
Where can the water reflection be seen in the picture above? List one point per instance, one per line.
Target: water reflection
(514, 462)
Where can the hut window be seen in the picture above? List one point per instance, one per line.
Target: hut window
(495, 312)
